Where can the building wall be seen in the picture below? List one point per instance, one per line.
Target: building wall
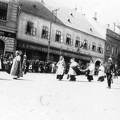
(8, 27)
(112, 44)
(40, 22)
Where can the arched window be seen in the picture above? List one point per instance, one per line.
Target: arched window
(100, 49)
(68, 39)
(85, 44)
(58, 36)
(93, 46)
(77, 43)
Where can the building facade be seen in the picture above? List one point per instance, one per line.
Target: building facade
(41, 37)
(112, 46)
(8, 26)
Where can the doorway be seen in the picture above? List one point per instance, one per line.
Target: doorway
(2, 46)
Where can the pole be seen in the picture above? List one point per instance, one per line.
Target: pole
(48, 54)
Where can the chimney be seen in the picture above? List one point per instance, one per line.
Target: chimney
(95, 18)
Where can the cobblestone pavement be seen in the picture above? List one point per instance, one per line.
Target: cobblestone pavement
(39, 96)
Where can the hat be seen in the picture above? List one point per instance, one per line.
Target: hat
(110, 59)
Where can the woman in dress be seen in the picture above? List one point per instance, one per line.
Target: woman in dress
(101, 74)
(71, 72)
(60, 68)
(90, 71)
(16, 69)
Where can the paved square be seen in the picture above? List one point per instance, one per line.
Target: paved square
(39, 96)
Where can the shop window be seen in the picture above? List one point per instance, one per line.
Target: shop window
(68, 40)
(45, 32)
(77, 43)
(93, 47)
(30, 29)
(58, 36)
(3, 11)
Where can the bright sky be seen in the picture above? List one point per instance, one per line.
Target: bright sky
(108, 11)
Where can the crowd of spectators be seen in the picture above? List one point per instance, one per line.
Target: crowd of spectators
(36, 65)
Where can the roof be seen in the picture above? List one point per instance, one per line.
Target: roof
(65, 16)
(99, 27)
(37, 8)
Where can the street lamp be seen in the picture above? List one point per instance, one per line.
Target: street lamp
(48, 54)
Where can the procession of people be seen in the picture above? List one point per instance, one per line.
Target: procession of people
(107, 70)
(18, 66)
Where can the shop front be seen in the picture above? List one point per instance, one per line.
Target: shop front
(37, 51)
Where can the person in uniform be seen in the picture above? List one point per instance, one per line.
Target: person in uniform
(109, 69)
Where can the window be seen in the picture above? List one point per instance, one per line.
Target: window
(85, 44)
(107, 48)
(30, 29)
(45, 32)
(77, 43)
(112, 50)
(93, 46)
(100, 50)
(58, 36)
(3, 11)
(68, 40)
(116, 51)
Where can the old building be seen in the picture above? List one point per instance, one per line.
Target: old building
(45, 32)
(112, 46)
(8, 26)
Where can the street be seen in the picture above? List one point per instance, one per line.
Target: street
(39, 96)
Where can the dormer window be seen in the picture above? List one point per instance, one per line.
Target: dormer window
(69, 20)
(3, 11)
(72, 14)
(30, 29)
(45, 32)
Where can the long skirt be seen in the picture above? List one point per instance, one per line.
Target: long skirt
(90, 77)
(101, 78)
(16, 69)
(60, 77)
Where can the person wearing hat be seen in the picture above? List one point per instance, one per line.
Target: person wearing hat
(109, 69)
(72, 72)
(16, 69)
(60, 68)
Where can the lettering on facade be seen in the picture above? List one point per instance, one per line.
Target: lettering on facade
(54, 51)
(7, 34)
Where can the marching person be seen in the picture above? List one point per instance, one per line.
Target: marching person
(90, 71)
(109, 69)
(16, 69)
(60, 68)
(101, 73)
(71, 72)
